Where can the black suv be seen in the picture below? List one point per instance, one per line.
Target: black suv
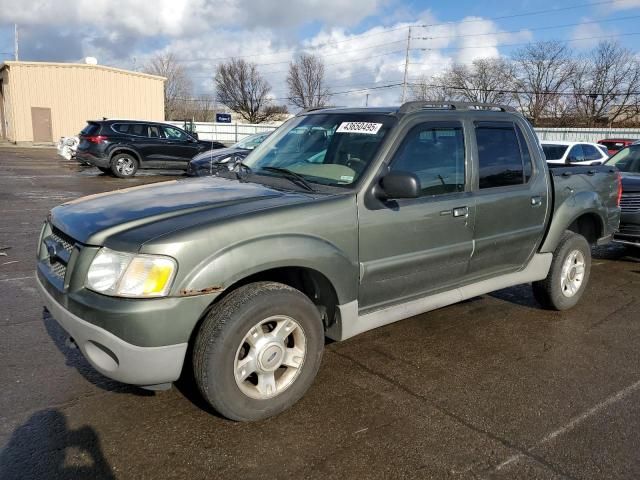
(122, 147)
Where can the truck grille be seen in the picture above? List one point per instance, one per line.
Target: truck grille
(59, 248)
(630, 202)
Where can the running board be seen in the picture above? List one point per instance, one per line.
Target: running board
(350, 323)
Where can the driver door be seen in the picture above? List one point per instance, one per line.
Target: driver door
(412, 247)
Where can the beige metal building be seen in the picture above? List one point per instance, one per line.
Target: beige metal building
(41, 102)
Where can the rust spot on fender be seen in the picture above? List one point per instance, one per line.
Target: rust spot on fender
(203, 291)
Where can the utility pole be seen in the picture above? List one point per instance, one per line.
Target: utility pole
(15, 42)
(406, 67)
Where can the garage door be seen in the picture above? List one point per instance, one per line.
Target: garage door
(41, 124)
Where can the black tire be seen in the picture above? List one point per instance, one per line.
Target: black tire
(221, 340)
(106, 170)
(550, 292)
(124, 172)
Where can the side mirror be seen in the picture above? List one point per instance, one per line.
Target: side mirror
(400, 185)
(570, 159)
(194, 135)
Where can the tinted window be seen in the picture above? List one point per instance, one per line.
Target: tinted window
(591, 152)
(576, 154)
(553, 151)
(121, 127)
(174, 133)
(499, 156)
(90, 129)
(436, 155)
(154, 131)
(627, 159)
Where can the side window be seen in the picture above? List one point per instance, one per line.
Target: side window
(121, 127)
(435, 153)
(137, 129)
(174, 134)
(526, 155)
(590, 152)
(499, 157)
(576, 154)
(154, 131)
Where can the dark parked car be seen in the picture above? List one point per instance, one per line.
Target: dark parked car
(122, 147)
(627, 161)
(202, 164)
(614, 145)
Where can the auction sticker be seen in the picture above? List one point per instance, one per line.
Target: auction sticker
(359, 127)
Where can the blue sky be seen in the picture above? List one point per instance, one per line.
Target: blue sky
(361, 41)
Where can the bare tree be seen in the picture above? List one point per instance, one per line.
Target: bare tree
(486, 80)
(543, 70)
(240, 87)
(178, 86)
(427, 89)
(306, 82)
(606, 84)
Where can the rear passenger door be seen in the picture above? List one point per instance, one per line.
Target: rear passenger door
(511, 198)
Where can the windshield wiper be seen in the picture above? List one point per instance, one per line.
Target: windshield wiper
(293, 176)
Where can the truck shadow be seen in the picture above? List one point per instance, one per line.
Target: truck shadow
(45, 447)
(616, 252)
(74, 359)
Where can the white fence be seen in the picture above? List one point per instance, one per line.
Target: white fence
(232, 132)
(226, 132)
(586, 134)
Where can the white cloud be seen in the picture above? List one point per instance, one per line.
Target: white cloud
(201, 32)
(624, 5)
(583, 35)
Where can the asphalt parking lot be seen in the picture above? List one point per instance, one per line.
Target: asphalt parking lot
(493, 387)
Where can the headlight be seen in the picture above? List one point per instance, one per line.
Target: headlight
(127, 275)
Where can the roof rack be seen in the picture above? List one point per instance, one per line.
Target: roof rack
(311, 109)
(435, 105)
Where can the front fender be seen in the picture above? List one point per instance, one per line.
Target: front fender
(569, 211)
(236, 262)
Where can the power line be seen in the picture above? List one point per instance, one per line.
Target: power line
(535, 29)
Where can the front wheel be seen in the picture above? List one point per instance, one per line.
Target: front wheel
(568, 276)
(124, 165)
(258, 351)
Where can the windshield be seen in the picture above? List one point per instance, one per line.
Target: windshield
(553, 151)
(252, 141)
(330, 149)
(627, 159)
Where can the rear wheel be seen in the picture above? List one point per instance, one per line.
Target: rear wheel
(258, 351)
(568, 275)
(124, 165)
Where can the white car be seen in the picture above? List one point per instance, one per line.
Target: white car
(584, 153)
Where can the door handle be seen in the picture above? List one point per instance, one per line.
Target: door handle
(536, 201)
(460, 212)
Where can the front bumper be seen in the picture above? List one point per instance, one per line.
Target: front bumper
(112, 356)
(629, 230)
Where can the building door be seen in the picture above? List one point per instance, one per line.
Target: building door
(41, 124)
(3, 127)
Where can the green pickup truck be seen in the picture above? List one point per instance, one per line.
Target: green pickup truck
(343, 220)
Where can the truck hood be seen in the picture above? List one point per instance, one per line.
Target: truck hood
(90, 220)
(630, 182)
